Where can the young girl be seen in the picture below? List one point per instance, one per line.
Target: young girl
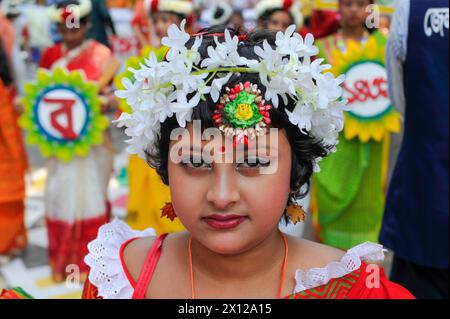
(278, 15)
(272, 114)
(348, 193)
(76, 201)
(148, 194)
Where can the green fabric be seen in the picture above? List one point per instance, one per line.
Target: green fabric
(349, 191)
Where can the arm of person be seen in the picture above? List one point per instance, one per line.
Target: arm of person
(110, 69)
(396, 51)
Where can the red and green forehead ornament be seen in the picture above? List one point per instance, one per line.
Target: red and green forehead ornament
(242, 113)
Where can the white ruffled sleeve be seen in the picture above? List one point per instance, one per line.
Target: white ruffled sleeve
(106, 271)
(350, 262)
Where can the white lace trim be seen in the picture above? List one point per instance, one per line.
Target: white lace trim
(103, 258)
(350, 262)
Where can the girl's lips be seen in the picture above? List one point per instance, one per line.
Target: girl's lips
(222, 221)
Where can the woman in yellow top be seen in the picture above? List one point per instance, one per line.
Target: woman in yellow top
(147, 193)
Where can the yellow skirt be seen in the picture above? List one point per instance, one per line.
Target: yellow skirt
(148, 194)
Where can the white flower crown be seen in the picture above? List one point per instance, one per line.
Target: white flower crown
(160, 89)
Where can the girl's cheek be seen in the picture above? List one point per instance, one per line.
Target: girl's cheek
(186, 193)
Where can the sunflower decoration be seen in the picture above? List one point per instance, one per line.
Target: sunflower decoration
(62, 114)
(371, 114)
(242, 113)
(133, 63)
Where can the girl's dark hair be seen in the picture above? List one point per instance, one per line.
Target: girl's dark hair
(305, 149)
(5, 71)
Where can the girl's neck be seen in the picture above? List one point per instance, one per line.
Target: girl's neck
(74, 47)
(353, 33)
(259, 261)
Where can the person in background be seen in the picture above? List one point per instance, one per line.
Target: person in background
(101, 23)
(278, 15)
(348, 211)
(237, 21)
(141, 25)
(416, 217)
(12, 11)
(13, 165)
(76, 202)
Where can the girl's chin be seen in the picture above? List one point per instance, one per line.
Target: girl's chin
(225, 244)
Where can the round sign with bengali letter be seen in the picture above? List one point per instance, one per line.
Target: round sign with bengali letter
(62, 114)
(366, 90)
(371, 114)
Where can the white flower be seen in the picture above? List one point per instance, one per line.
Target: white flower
(301, 116)
(277, 73)
(216, 86)
(290, 43)
(307, 48)
(162, 103)
(315, 68)
(132, 93)
(329, 88)
(160, 89)
(188, 82)
(183, 109)
(224, 54)
(176, 40)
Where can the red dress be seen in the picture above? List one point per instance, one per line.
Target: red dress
(359, 284)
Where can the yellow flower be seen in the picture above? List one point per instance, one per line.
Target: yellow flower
(244, 112)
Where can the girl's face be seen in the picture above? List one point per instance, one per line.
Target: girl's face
(72, 37)
(229, 206)
(353, 12)
(279, 21)
(162, 22)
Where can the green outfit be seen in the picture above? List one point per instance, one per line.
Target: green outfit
(349, 189)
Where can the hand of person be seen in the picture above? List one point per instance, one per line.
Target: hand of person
(108, 100)
(18, 105)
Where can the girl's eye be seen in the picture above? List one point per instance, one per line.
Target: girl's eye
(195, 162)
(254, 163)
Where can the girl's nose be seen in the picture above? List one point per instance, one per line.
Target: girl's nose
(224, 189)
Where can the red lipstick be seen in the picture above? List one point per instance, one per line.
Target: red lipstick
(224, 221)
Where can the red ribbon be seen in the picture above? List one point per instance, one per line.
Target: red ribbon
(66, 13)
(287, 4)
(154, 5)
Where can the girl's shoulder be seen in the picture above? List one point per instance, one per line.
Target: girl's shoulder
(334, 273)
(108, 272)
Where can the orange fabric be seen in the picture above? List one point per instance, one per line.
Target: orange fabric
(13, 163)
(12, 228)
(90, 291)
